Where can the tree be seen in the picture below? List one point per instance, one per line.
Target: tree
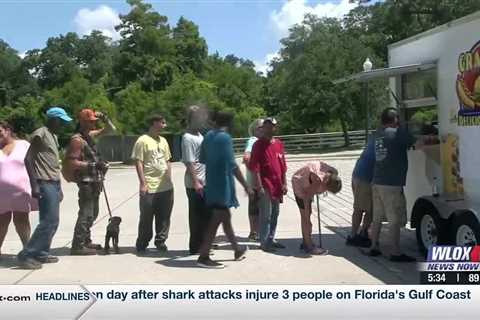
(146, 50)
(191, 48)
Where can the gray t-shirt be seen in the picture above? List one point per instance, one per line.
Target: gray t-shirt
(391, 161)
(191, 154)
(46, 160)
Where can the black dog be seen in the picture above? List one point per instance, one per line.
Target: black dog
(113, 230)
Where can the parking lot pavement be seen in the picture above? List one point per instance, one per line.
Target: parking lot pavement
(344, 265)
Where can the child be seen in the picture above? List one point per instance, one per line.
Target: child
(314, 178)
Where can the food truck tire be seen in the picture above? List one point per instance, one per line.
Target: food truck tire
(466, 230)
(430, 227)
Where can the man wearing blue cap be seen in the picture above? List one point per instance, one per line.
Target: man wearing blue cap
(43, 166)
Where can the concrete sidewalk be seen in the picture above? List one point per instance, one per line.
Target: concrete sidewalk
(345, 265)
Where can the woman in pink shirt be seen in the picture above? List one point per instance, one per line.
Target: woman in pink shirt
(314, 178)
(15, 192)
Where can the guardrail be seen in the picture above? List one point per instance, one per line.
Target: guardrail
(313, 141)
(119, 148)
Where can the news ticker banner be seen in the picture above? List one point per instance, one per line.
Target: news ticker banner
(238, 302)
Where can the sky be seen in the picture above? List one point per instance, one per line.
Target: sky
(250, 29)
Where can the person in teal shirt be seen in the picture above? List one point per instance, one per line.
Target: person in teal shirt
(217, 154)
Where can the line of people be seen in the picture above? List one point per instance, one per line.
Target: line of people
(30, 180)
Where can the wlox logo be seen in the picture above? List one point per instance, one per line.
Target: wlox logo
(453, 253)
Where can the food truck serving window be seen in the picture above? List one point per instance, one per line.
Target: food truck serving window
(419, 85)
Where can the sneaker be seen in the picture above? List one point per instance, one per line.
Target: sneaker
(358, 241)
(94, 246)
(402, 258)
(373, 253)
(162, 248)
(146, 252)
(278, 245)
(240, 254)
(83, 251)
(253, 236)
(206, 262)
(30, 264)
(269, 249)
(47, 259)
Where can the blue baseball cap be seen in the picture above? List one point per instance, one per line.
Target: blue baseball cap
(57, 112)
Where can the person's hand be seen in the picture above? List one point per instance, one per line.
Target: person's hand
(102, 166)
(260, 189)
(100, 115)
(198, 188)
(36, 191)
(250, 191)
(284, 189)
(143, 189)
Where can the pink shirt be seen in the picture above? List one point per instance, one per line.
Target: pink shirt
(15, 192)
(301, 178)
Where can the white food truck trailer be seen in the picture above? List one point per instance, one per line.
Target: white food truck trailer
(435, 77)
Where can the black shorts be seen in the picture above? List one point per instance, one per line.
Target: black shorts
(301, 202)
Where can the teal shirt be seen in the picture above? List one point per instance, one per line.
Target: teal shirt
(217, 155)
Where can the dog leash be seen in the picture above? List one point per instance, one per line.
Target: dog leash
(106, 199)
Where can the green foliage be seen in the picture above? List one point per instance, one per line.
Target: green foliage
(156, 68)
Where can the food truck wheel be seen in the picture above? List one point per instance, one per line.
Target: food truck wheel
(466, 230)
(430, 228)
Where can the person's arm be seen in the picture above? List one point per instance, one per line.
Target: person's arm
(238, 174)
(29, 167)
(109, 126)
(73, 155)
(137, 155)
(284, 168)
(254, 166)
(141, 177)
(188, 158)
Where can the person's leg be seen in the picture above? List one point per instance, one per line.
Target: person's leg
(91, 219)
(162, 206)
(22, 225)
(253, 215)
(378, 217)
(274, 219)
(49, 209)
(86, 204)
(211, 233)
(306, 228)
(357, 211)
(194, 221)
(367, 205)
(145, 223)
(226, 218)
(265, 207)
(397, 217)
(5, 219)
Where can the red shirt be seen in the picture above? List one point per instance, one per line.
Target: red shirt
(268, 158)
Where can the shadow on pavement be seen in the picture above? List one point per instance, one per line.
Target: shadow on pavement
(379, 267)
(8, 261)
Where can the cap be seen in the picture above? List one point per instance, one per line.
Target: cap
(87, 115)
(271, 120)
(57, 112)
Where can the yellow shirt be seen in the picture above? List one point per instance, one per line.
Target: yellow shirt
(155, 154)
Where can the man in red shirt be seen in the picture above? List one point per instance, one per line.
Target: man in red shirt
(268, 164)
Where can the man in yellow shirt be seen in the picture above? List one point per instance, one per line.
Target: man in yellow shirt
(152, 161)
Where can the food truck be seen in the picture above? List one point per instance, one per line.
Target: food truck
(434, 79)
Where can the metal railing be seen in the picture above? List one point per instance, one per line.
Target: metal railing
(313, 141)
(119, 148)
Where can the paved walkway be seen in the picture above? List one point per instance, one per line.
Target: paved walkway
(345, 265)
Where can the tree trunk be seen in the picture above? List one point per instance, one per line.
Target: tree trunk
(345, 131)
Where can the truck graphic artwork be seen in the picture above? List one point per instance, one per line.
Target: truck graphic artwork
(468, 87)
